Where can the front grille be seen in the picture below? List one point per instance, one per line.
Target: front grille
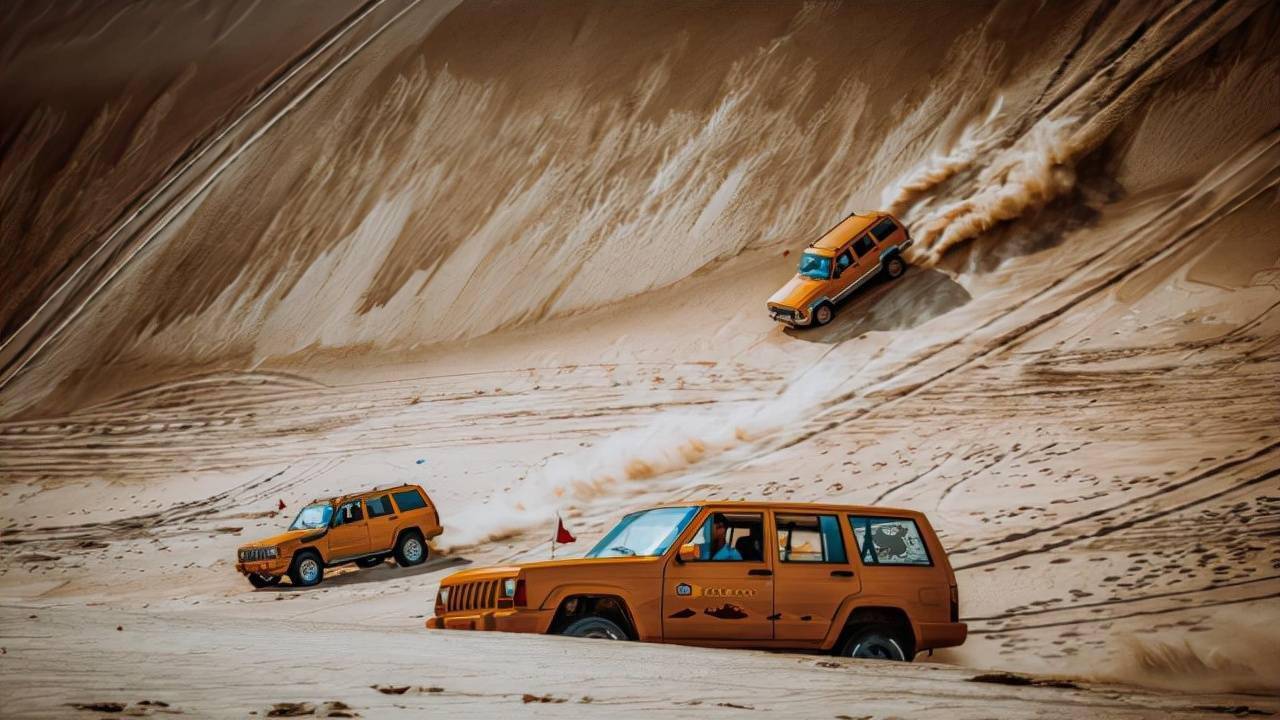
(782, 312)
(473, 596)
(254, 554)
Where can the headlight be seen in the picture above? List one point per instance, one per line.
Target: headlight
(444, 596)
(273, 553)
(509, 587)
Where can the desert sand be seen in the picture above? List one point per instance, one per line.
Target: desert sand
(519, 254)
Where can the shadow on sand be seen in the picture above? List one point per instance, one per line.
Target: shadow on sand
(386, 572)
(883, 304)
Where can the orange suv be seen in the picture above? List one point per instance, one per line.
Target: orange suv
(365, 528)
(836, 264)
(865, 582)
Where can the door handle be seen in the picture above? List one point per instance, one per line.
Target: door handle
(760, 572)
(841, 573)
(392, 517)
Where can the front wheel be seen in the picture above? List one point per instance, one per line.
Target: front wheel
(875, 642)
(410, 550)
(895, 266)
(823, 314)
(262, 581)
(595, 627)
(306, 570)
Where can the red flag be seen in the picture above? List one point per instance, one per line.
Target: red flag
(562, 535)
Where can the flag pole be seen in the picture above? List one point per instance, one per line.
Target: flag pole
(553, 537)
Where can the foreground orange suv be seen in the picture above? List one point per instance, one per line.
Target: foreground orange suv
(836, 264)
(365, 529)
(864, 582)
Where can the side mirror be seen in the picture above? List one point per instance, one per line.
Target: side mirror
(688, 552)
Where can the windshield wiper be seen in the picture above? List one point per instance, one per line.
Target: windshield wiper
(623, 550)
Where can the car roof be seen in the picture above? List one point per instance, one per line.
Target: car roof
(844, 231)
(874, 510)
(372, 491)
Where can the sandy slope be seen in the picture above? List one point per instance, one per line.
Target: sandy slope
(1078, 381)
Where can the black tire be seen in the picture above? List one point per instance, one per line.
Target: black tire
(877, 642)
(262, 581)
(411, 549)
(595, 627)
(895, 266)
(823, 314)
(307, 569)
(370, 562)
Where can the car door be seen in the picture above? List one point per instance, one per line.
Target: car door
(349, 535)
(845, 272)
(868, 253)
(812, 576)
(720, 600)
(382, 519)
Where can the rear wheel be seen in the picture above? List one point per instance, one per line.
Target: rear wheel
(410, 550)
(306, 570)
(261, 581)
(895, 266)
(876, 642)
(823, 314)
(595, 627)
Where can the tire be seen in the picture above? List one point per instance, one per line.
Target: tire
(370, 562)
(823, 314)
(307, 569)
(595, 627)
(895, 266)
(876, 642)
(410, 549)
(262, 581)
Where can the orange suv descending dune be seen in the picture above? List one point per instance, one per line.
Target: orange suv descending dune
(836, 264)
(859, 581)
(364, 528)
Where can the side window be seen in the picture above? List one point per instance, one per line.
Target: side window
(889, 541)
(729, 537)
(884, 229)
(379, 506)
(864, 245)
(349, 512)
(408, 500)
(844, 260)
(810, 538)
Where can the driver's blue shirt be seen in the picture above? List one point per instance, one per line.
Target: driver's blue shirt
(724, 553)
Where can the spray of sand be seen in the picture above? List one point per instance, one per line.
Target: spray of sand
(623, 463)
(1232, 657)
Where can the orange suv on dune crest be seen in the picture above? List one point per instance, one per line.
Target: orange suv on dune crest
(836, 264)
(864, 582)
(365, 529)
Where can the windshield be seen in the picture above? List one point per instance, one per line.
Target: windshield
(647, 533)
(313, 516)
(815, 266)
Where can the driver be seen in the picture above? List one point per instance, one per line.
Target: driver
(718, 548)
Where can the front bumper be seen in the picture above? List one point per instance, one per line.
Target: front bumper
(520, 621)
(794, 320)
(275, 567)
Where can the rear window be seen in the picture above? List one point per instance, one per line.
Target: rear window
(408, 500)
(884, 229)
(889, 541)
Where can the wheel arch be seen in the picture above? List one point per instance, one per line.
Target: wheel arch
(857, 611)
(582, 602)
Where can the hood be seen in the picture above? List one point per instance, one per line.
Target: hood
(506, 571)
(288, 536)
(798, 292)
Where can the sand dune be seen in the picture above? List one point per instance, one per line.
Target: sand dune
(520, 255)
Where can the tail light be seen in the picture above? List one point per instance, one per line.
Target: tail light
(521, 597)
(955, 604)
